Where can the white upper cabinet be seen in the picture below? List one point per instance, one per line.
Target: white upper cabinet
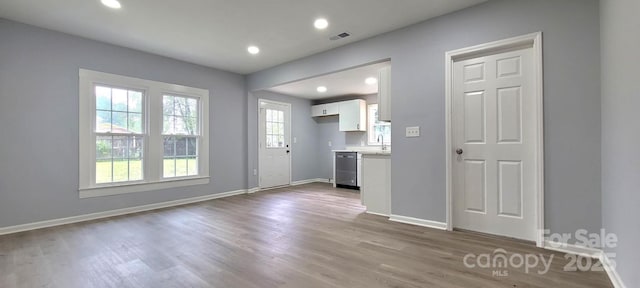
(384, 94)
(353, 115)
(325, 110)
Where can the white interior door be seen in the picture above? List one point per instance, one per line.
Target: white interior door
(494, 135)
(274, 146)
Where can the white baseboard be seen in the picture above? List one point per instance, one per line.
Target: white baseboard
(419, 222)
(610, 268)
(307, 181)
(573, 249)
(378, 214)
(253, 190)
(596, 253)
(118, 212)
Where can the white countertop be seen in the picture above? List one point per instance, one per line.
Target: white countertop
(366, 151)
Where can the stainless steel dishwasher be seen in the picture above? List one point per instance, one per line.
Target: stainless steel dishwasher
(347, 170)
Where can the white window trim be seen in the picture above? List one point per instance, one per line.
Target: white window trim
(153, 148)
(387, 142)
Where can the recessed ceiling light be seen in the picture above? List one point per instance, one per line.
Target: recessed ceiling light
(115, 4)
(321, 89)
(321, 23)
(371, 81)
(253, 50)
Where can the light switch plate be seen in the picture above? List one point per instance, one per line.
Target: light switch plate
(413, 131)
(295, 140)
(329, 143)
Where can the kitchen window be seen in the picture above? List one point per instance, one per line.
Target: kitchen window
(140, 135)
(377, 130)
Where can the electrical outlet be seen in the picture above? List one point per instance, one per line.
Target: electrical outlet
(413, 131)
(329, 143)
(255, 172)
(295, 140)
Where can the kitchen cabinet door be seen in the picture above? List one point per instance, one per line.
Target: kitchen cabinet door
(353, 115)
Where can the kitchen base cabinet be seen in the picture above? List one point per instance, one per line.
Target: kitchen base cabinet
(375, 190)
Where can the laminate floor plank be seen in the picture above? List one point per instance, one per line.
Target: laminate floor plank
(307, 236)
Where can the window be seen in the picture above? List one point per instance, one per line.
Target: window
(140, 135)
(119, 134)
(275, 128)
(378, 130)
(180, 136)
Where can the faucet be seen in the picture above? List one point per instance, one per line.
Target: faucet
(384, 147)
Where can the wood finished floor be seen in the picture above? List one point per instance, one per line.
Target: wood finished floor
(305, 236)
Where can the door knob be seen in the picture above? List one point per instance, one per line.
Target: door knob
(459, 151)
(288, 151)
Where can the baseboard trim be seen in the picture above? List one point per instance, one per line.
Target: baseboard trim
(253, 190)
(418, 222)
(610, 268)
(308, 181)
(573, 249)
(378, 214)
(117, 212)
(595, 253)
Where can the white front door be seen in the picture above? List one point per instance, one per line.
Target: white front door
(494, 137)
(274, 147)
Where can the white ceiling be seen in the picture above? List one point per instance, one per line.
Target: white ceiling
(216, 33)
(348, 82)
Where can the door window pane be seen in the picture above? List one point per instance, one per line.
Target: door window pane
(274, 136)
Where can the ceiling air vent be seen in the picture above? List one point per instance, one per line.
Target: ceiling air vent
(340, 36)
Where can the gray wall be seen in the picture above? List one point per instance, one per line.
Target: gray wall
(304, 153)
(572, 100)
(621, 132)
(39, 116)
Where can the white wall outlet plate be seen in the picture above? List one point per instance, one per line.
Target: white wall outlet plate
(295, 140)
(413, 131)
(329, 143)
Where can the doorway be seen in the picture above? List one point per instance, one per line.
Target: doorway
(494, 134)
(274, 134)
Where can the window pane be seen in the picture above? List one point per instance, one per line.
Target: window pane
(169, 146)
(120, 170)
(119, 122)
(181, 126)
(135, 123)
(103, 147)
(103, 98)
(169, 168)
(135, 101)
(103, 172)
(181, 167)
(181, 115)
(192, 105)
(103, 121)
(119, 100)
(192, 145)
(167, 105)
(181, 146)
(103, 159)
(192, 166)
(120, 147)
